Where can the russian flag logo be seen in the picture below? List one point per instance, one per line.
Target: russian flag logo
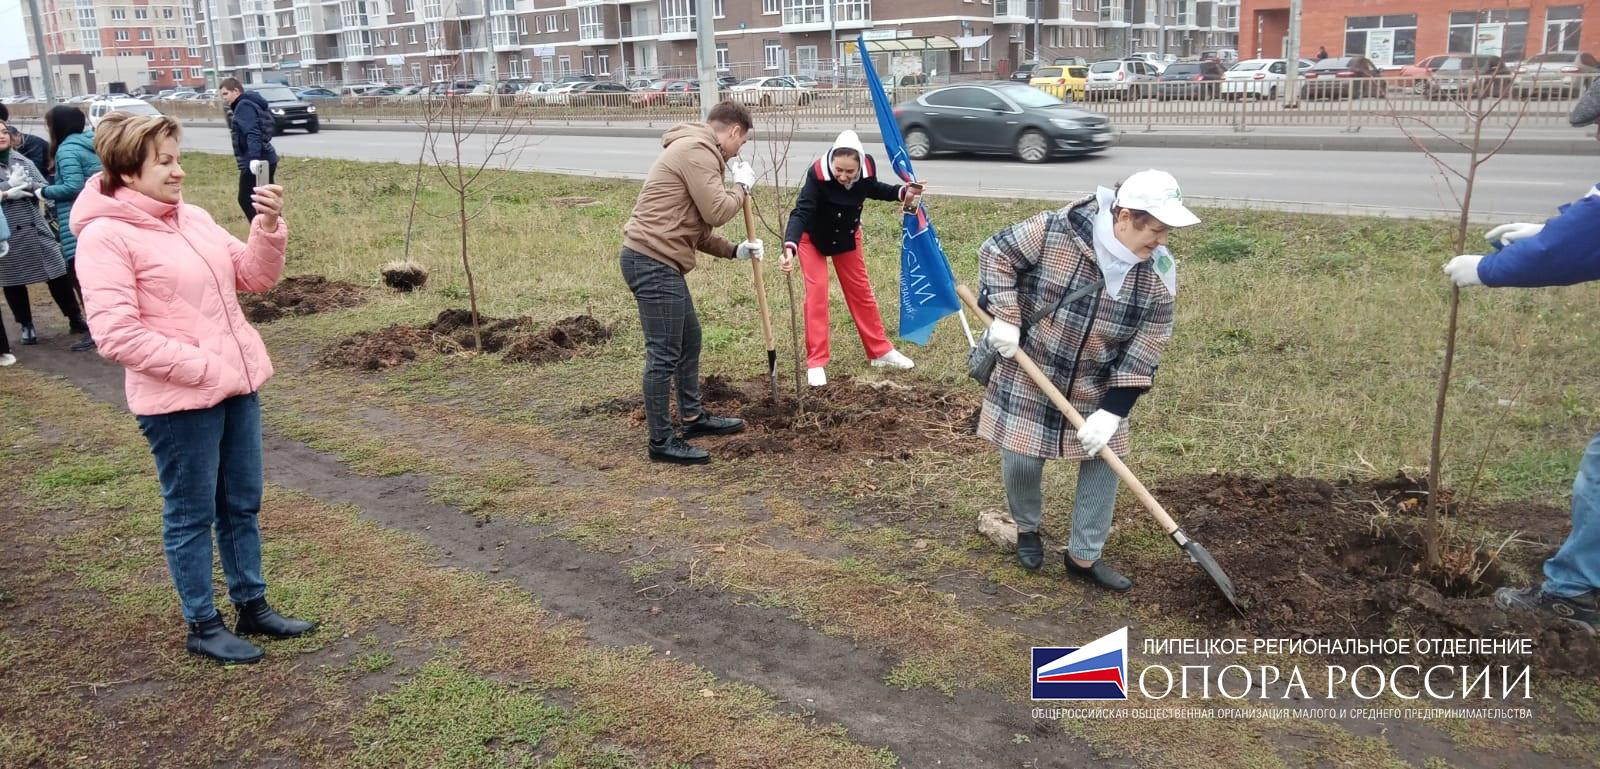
(1095, 671)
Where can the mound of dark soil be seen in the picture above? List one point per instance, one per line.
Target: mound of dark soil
(1312, 558)
(521, 341)
(301, 295)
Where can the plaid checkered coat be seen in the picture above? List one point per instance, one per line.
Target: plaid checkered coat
(1086, 347)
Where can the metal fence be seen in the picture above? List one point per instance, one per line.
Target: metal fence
(1347, 104)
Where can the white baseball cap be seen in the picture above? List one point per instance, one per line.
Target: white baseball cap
(1156, 193)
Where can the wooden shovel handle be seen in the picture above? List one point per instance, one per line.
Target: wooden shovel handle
(760, 278)
(1060, 401)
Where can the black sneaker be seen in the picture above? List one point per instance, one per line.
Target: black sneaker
(83, 345)
(1100, 574)
(1030, 550)
(1581, 612)
(675, 451)
(29, 336)
(711, 424)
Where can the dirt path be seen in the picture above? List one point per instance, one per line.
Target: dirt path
(814, 674)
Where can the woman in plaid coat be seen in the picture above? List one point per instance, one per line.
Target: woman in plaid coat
(1098, 284)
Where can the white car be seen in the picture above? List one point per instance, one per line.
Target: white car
(1120, 79)
(1158, 60)
(767, 91)
(1258, 78)
(102, 107)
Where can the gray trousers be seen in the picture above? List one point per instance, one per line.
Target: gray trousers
(671, 340)
(1093, 503)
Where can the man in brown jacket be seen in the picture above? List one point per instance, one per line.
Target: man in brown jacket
(682, 201)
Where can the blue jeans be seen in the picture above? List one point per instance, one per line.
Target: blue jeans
(209, 463)
(1575, 568)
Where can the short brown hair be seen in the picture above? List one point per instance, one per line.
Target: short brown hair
(124, 141)
(230, 83)
(730, 114)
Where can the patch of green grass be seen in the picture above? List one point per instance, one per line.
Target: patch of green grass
(81, 471)
(372, 662)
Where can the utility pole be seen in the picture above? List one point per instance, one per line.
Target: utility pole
(706, 55)
(46, 73)
(211, 37)
(1038, 42)
(1291, 80)
(490, 59)
(833, 40)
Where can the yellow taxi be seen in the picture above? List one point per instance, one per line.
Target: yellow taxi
(1063, 82)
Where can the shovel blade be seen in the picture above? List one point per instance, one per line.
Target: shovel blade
(1207, 564)
(772, 372)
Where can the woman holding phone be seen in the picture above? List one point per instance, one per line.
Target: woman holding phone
(160, 279)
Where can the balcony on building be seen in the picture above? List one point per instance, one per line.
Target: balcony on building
(1015, 11)
(463, 9)
(640, 29)
(677, 28)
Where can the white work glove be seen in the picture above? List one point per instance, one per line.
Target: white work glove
(1463, 270)
(1005, 338)
(18, 178)
(1506, 234)
(743, 174)
(750, 249)
(1097, 431)
(18, 193)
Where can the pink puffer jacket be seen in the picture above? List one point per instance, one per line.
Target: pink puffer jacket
(160, 281)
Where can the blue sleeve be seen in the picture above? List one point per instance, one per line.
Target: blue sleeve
(1567, 251)
(69, 176)
(248, 117)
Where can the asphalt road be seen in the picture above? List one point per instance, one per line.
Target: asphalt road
(1394, 183)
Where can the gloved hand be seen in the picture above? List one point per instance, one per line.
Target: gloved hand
(743, 174)
(786, 261)
(750, 249)
(1506, 234)
(1005, 338)
(1463, 270)
(18, 193)
(1097, 431)
(18, 178)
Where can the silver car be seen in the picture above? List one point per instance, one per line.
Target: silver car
(1566, 73)
(1120, 79)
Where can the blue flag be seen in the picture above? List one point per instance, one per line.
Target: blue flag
(927, 289)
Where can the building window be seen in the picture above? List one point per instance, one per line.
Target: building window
(194, 72)
(122, 36)
(605, 64)
(141, 12)
(772, 57)
(1500, 33)
(411, 7)
(853, 10)
(1386, 40)
(439, 72)
(805, 58)
(722, 58)
(411, 35)
(804, 12)
(677, 16)
(1563, 25)
(119, 14)
(149, 55)
(591, 22)
(144, 34)
(566, 65)
(717, 10)
(769, 7)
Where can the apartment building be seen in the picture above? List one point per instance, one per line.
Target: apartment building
(159, 33)
(407, 41)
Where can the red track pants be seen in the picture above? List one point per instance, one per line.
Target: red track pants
(852, 270)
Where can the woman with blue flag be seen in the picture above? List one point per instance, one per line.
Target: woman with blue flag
(1087, 292)
(826, 225)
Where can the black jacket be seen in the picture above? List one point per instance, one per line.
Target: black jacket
(250, 123)
(32, 148)
(831, 214)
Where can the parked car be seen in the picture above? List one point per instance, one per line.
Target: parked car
(288, 109)
(999, 118)
(1468, 77)
(725, 82)
(1227, 56)
(1191, 80)
(100, 108)
(1416, 76)
(1260, 78)
(1069, 61)
(663, 92)
(599, 95)
(314, 94)
(1567, 73)
(570, 79)
(1158, 60)
(1120, 79)
(639, 84)
(558, 95)
(805, 81)
(1342, 78)
(1024, 73)
(767, 91)
(1062, 82)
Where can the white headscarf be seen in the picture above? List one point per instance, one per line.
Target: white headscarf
(1117, 260)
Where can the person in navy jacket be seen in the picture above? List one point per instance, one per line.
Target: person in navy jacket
(826, 224)
(1562, 251)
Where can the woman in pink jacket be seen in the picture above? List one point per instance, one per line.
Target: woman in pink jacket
(160, 280)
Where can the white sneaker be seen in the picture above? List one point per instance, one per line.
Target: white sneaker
(816, 377)
(893, 359)
(7, 359)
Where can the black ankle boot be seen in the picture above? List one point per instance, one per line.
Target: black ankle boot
(212, 639)
(29, 336)
(257, 618)
(77, 326)
(1100, 573)
(1030, 550)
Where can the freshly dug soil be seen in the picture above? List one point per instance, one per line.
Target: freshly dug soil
(404, 277)
(452, 332)
(848, 417)
(301, 295)
(1312, 558)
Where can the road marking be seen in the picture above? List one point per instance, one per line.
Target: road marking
(1242, 173)
(1528, 182)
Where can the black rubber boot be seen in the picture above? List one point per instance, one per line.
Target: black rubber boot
(1030, 550)
(1100, 574)
(257, 618)
(675, 451)
(211, 639)
(77, 326)
(710, 424)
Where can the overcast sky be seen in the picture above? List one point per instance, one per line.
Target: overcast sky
(13, 40)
